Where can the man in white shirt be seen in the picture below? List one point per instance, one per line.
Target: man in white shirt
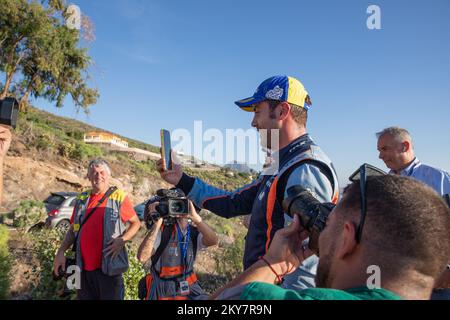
(396, 150)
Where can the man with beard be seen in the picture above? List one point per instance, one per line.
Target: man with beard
(403, 236)
(280, 106)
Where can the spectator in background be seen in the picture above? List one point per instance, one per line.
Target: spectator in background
(396, 150)
(98, 230)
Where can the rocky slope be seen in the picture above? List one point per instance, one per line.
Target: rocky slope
(38, 163)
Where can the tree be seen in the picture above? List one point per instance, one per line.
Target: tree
(42, 54)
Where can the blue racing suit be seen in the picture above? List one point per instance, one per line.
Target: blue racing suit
(303, 163)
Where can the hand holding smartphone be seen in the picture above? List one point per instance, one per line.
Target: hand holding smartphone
(166, 149)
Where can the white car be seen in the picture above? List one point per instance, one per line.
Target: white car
(59, 207)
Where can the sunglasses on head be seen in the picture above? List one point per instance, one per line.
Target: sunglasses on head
(361, 175)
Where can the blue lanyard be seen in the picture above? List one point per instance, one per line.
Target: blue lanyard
(184, 245)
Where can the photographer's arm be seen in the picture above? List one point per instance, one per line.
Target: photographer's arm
(284, 255)
(5, 142)
(223, 203)
(145, 250)
(209, 235)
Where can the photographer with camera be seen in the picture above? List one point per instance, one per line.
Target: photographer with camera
(97, 235)
(380, 242)
(176, 233)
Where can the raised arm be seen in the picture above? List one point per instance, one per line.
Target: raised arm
(223, 203)
(209, 235)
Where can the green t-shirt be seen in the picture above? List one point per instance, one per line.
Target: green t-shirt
(265, 291)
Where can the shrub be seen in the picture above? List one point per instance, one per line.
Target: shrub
(221, 225)
(46, 243)
(229, 263)
(75, 134)
(28, 213)
(84, 151)
(45, 141)
(66, 149)
(5, 263)
(132, 276)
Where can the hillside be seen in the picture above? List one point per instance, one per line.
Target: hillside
(48, 154)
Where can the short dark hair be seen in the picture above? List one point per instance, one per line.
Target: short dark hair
(299, 114)
(407, 224)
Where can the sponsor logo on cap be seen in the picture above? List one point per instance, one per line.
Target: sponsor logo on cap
(275, 94)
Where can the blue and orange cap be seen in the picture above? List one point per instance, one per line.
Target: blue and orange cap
(281, 88)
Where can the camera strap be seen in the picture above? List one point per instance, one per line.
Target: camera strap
(166, 233)
(107, 194)
(184, 246)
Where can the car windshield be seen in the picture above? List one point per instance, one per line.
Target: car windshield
(54, 199)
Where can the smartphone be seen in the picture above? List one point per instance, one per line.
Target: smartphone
(9, 111)
(166, 149)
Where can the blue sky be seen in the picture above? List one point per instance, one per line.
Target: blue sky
(165, 64)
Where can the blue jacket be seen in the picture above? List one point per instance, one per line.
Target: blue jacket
(261, 198)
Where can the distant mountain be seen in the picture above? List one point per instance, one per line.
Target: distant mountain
(239, 167)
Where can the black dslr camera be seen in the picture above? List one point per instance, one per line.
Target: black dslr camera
(312, 213)
(172, 204)
(9, 110)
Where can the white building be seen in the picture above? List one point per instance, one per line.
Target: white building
(105, 138)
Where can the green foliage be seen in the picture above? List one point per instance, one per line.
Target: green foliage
(76, 134)
(146, 168)
(46, 243)
(132, 276)
(45, 141)
(84, 151)
(229, 264)
(66, 149)
(5, 263)
(42, 54)
(219, 178)
(28, 213)
(138, 144)
(221, 225)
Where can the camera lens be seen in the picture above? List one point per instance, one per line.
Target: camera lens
(312, 213)
(177, 207)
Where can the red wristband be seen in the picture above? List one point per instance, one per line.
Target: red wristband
(279, 278)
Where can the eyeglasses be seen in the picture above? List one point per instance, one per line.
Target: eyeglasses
(366, 170)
